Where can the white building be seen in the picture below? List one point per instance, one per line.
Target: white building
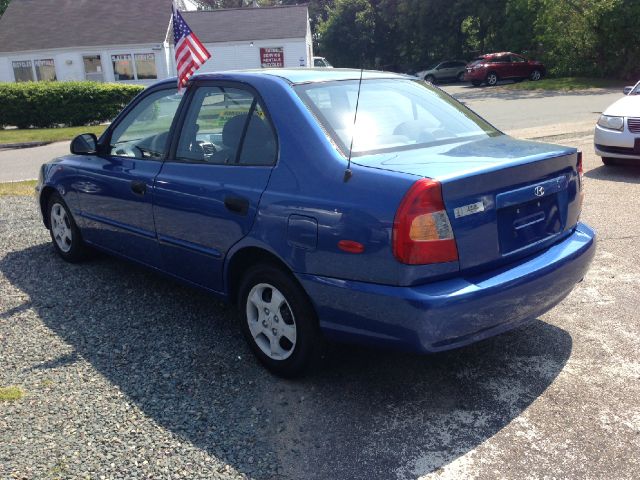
(132, 41)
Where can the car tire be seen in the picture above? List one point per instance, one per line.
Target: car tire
(535, 75)
(64, 232)
(461, 77)
(492, 79)
(476, 83)
(278, 321)
(610, 161)
(430, 79)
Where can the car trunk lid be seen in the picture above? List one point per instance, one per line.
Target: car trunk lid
(505, 198)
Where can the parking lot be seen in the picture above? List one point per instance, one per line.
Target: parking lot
(130, 375)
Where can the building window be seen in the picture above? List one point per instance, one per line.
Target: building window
(23, 71)
(143, 69)
(45, 70)
(93, 68)
(122, 67)
(146, 66)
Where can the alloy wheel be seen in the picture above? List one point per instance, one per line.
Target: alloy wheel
(61, 227)
(271, 321)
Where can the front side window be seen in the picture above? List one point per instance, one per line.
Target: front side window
(144, 132)
(392, 115)
(45, 70)
(517, 59)
(226, 126)
(23, 71)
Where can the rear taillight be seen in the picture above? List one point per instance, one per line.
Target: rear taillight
(580, 168)
(422, 232)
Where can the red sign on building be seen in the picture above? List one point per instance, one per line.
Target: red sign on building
(272, 57)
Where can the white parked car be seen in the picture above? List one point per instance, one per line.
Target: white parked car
(321, 62)
(617, 135)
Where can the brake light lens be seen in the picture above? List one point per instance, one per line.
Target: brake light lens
(580, 168)
(422, 233)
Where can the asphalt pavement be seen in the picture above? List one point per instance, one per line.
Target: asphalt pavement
(24, 163)
(515, 110)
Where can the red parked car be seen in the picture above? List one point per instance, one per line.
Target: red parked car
(493, 67)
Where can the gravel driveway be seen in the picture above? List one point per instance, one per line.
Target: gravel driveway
(130, 375)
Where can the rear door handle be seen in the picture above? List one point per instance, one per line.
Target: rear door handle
(239, 205)
(138, 187)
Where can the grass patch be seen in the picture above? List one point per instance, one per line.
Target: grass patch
(10, 394)
(18, 188)
(568, 83)
(47, 134)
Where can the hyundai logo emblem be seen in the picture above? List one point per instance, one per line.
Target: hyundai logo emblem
(539, 191)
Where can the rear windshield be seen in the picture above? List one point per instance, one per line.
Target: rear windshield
(392, 115)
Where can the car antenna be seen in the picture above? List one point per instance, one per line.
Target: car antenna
(348, 173)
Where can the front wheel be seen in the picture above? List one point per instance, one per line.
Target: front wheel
(461, 77)
(610, 161)
(492, 79)
(64, 231)
(278, 321)
(535, 75)
(476, 83)
(430, 79)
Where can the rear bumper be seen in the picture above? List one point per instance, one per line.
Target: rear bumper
(452, 313)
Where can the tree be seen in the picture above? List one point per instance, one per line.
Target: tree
(347, 35)
(3, 6)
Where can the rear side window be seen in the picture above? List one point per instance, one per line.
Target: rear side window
(226, 126)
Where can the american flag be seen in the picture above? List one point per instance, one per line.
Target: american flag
(190, 53)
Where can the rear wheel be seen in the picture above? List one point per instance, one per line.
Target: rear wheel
(535, 75)
(430, 79)
(492, 79)
(278, 321)
(610, 161)
(64, 232)
(461, 77)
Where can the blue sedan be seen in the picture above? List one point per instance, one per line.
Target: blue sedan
(328, 204)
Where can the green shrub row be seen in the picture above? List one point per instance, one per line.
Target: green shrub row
(47, 104)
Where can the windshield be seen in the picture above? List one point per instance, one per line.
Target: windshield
(392, 115)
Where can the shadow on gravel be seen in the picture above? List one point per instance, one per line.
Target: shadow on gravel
(616, 173)
(179, 357)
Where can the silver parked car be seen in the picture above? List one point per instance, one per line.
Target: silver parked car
(447, 70)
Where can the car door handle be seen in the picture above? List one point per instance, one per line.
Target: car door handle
(138, 187)
(238, 205)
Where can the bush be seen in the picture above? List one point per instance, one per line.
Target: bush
(47, 104)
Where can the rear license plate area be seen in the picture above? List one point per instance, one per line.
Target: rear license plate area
(528, 223)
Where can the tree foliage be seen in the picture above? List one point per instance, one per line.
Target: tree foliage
(3, 6)
(573, 37)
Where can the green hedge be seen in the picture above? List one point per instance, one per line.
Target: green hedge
(47, 104)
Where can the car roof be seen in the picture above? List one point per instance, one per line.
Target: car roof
(297, 75)
(497, 54)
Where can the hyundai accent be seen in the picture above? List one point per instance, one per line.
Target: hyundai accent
(353, 206)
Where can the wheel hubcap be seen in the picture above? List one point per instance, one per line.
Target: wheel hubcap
(61, 227)
(492, 79)
(536, 75)
(271, 321)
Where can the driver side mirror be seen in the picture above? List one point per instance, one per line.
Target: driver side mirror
(85, 144)
(627, 90)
